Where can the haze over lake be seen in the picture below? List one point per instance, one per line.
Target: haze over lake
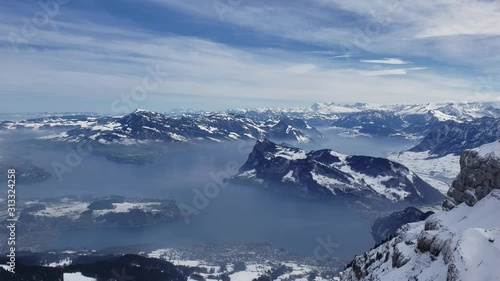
(238, 214)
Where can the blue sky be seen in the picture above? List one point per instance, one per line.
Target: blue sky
(86, 55)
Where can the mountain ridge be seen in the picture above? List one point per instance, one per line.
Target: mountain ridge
(329, 174)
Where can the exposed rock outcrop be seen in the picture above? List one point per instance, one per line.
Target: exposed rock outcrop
(459, 244)
(479, 175)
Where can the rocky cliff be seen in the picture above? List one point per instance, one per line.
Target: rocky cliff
(479, 175)
(462, 243)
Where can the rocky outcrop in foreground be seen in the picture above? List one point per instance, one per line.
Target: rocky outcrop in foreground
(479, 175)
(460, 244)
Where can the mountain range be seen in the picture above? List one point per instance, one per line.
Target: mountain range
(145, 126)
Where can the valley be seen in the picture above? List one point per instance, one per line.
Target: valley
(259, 182)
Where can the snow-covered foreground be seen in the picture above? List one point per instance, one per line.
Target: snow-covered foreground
(461, 244)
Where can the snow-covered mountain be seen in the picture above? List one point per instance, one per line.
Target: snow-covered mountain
(373, 122)
(415, 119)
(456, 111)
(145, 126)
(460, 244)
(436, 157)
(293, 129)
(411, 120)
(51, 122)
(455, 138)
(39, 115)
(437, 171)
(328, 174)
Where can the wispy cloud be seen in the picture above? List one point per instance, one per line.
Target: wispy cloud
(386, 61)
(394, 71)
(400, 71)
(99, 61)
(448, 31)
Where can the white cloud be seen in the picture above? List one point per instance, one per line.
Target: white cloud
(99, 61)
(386, 61)
(301, 68)
(394, 71)
(92, 61)
(400, 71)
(455, 32)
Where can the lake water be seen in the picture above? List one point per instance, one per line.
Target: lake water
(238, 214)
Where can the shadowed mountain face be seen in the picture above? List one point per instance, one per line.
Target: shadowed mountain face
(454, 138)
(384, 227)
(328, 174)
(372, 122)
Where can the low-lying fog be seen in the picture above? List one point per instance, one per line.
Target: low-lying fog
(237, 214)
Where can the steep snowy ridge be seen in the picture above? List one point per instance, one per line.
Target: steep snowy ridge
(460, 244)
(328, 174)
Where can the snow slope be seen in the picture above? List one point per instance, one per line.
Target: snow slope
(461, 244)
(437, 171)
(489, 150)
